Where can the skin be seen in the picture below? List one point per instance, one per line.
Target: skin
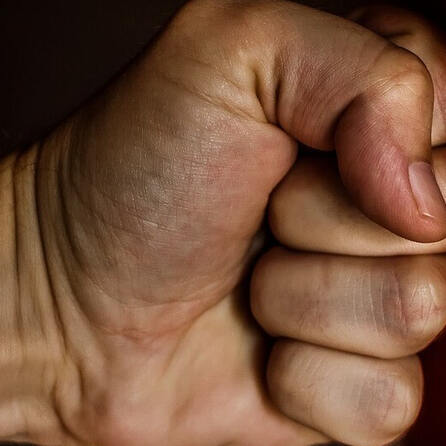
(359, 274)
(128, 235)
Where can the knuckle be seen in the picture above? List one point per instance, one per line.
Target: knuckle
(258, 17)
(199, 21)
(389, 402)
(414, 312)
(408, 71)
(295, 379)
(241, 17)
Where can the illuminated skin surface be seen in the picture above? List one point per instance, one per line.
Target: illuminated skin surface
(130, 232)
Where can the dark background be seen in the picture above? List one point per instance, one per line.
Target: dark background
(55, 54)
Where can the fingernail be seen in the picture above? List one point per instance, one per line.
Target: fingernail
(425, 190)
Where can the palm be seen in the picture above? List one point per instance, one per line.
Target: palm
(160, 194)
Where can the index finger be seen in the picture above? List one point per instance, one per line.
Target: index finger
(312, 211)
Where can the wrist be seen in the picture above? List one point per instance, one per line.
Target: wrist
(32, 344)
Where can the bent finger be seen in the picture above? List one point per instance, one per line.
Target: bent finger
(311, 210)
(354, 399)
(381, 307)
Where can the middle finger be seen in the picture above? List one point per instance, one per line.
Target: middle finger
(382, 307)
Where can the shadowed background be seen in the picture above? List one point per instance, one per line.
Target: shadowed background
(57, 53)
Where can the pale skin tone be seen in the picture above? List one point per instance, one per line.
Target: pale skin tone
(128, 235)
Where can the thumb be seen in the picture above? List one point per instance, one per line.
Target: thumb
(340, 86)
(420, 36)
(383, 143)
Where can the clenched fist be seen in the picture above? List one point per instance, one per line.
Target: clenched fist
(128, 233)
(361, 305)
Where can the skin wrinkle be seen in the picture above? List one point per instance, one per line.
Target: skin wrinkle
(108, 222)
(383, 293)
(354, 94)
(403, 307)
(66, 211)
(24, 307)
(427, 310)
(80, 378)
(393, 294)
(121, 382)
(105, 222)
(356, 313)
(389, 398)
(176, 209)
(313, 366)
(115, 203)
(119, 204)
(20, 172)
(415, 308)
(93, 282)
(212, 100)
(173, 132)
(371, 300)
(370, 393)
(317, 371)
(141, 302)
(441, 98)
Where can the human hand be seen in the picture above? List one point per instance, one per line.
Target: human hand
(132, 227)
(371, 310)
